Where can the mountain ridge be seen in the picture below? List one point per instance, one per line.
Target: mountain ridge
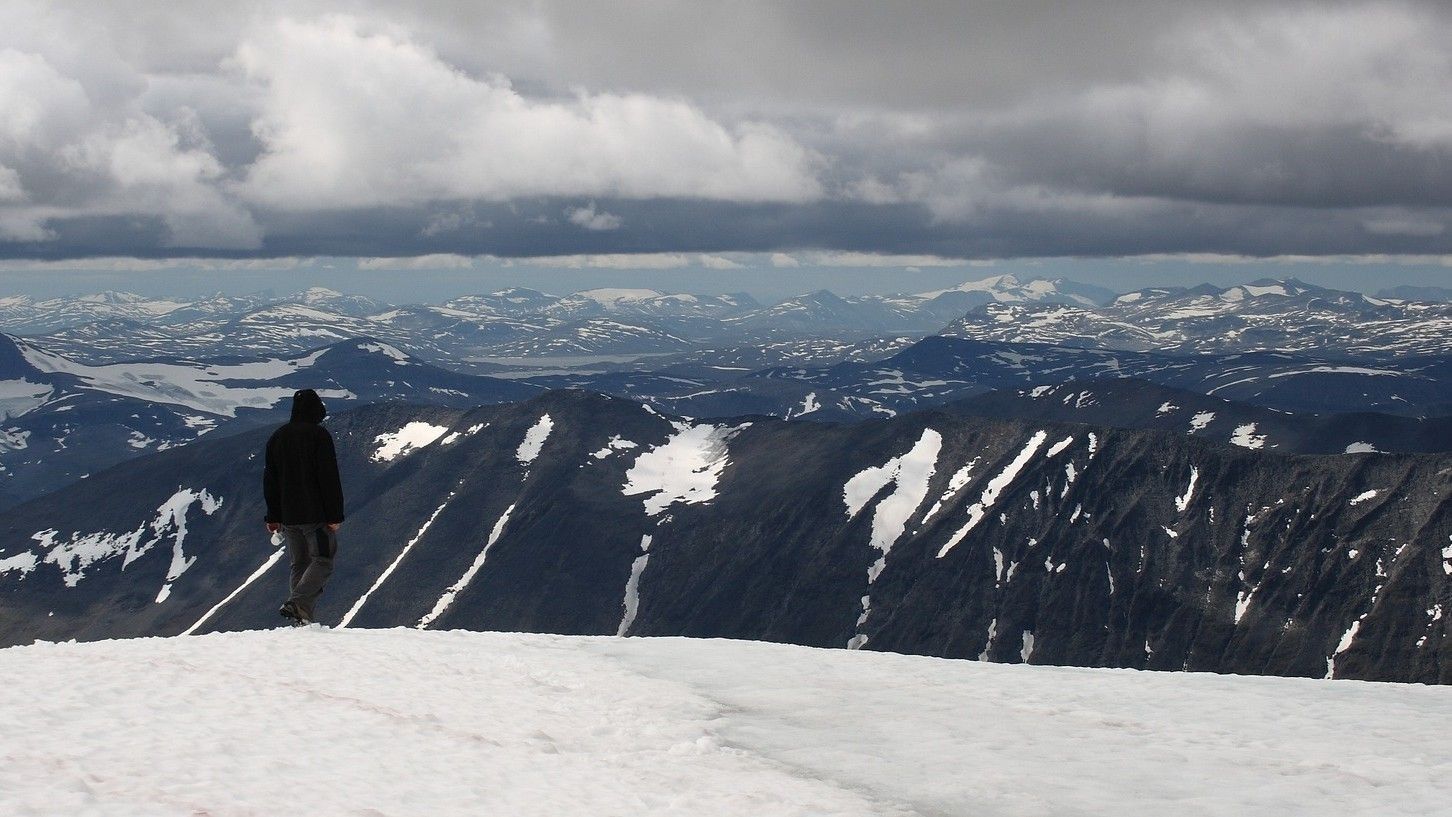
(929, 533)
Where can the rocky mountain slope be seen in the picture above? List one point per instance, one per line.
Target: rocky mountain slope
(931, 533)
(1130, 403)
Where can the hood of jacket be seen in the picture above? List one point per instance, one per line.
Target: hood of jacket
(308, 407)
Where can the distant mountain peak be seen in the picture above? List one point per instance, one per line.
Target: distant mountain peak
(111, 296)
(318, 294)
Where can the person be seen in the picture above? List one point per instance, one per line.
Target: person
(304, 497)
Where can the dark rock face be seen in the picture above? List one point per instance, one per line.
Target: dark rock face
(931, 533)
(1129, 403)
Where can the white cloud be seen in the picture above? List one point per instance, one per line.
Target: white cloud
(107, 160)
(132, 264)
(353, 118)
(655, 260)
(10, 188)
(781, 259)
(718, 262)
(591, 219)
(432, 261)
(863, 259)
(1408, 225)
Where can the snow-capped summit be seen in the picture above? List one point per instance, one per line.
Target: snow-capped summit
(620, 302)
(1265, 315)
(1008, 288)
(334, 301)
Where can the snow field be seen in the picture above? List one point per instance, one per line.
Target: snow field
(684, 468)
(324, 722)
(318, 721)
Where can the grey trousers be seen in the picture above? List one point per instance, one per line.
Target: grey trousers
(312, 548)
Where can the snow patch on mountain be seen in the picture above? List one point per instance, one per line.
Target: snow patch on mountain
(616, 443)
(1245, 437)
(73, 556)
(211, 387)
(534, 440)
(1001, 481)
(455, 436)
(171, 518)
(1363, 497)
(398, 356)
(1201, 420)
(682, 469)
(956, 483)
(406, 440)
(910, 474)
(20, 396)
(21, 563)
(1182, 502)
(1058, 447)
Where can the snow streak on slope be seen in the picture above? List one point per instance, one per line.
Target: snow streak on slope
(956, 483)
(910, 475)
(980, 509)
(534, 440)
(631, 603)
(1058, 447)
(256, 574)
(455, 436)
(457, 587)
(554, 726)
(682, 469)
(406, 440)
(1182, 502)
(388, 571)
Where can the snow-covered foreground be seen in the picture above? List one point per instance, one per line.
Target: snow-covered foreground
(395, 722)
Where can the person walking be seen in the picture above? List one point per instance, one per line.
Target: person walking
(304, 497)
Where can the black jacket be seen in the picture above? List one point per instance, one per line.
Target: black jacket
(300, 475)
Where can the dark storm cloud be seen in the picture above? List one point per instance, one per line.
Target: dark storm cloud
(525, 129)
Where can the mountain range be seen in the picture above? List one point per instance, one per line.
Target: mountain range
(64, 420)
(932, 533)
(1270, 315)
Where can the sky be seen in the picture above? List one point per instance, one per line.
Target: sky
(719, 147)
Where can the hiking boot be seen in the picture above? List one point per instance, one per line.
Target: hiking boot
(289, 610)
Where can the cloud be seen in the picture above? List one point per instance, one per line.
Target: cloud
(432, 261)
(864, 259)
(354, 118)
(660, 260)
(590, 219)
(1034, 128)
(719, 262)
(1404, 225)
